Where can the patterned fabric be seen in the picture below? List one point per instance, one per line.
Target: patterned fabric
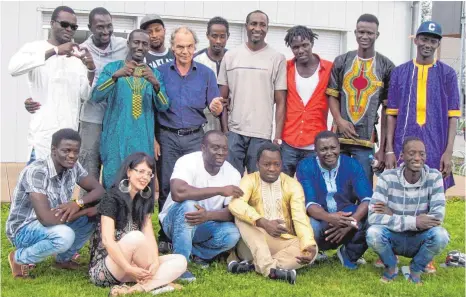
(128, 125)
(272, 200)
(424, 97)
(41, 177)
(406, 200)
(114, 206)
(352, 185)
(250, 207)
(361, 85)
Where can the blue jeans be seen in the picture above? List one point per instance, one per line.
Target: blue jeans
(354, 242)
(361, 154)
(292, 156)
(421, 246)
(242, 151)
(35, 242)
(206, 240)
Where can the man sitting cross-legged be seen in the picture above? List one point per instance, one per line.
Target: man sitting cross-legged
(43, 219)
(271, 218)
(337, 195)
(195, 216)
(406, 213)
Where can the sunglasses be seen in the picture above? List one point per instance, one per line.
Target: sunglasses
(65, 25)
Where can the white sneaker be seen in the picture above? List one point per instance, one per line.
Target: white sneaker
(163, 289)
(361, 261)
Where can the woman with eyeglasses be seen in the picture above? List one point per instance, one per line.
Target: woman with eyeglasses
(123, 247)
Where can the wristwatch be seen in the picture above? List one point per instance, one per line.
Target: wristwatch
(80, 202)
(279, 141)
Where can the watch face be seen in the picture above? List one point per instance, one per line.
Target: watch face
(279, 141)
(81, 202)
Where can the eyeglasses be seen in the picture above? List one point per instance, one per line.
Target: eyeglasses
(143, 172)
(65, 25)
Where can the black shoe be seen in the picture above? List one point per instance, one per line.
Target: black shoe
(201, 262)
(242, 267)
(165, 247)
(288, 275)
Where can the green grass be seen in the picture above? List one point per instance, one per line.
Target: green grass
(326, 279)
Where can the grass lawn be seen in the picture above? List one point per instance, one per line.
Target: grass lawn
(326, 279)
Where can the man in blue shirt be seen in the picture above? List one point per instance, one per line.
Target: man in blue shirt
(191, 87)
(337, 194)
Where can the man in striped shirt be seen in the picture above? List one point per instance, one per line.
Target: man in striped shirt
(406, 212)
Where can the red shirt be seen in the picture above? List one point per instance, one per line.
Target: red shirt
(303, 123)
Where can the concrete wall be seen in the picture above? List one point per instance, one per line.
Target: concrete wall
(21, 23)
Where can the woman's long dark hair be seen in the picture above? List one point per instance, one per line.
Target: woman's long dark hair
(140, 206)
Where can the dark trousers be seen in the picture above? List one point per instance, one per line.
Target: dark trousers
(172, 147)
(291, 157)
(354, 242)
(242, 151)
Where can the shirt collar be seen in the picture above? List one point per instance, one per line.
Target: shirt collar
(323, 170)
(173, 65)
(51, 167)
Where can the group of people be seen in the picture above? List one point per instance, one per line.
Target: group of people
(207, 117)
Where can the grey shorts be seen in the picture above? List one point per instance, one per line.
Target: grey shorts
(101, 276)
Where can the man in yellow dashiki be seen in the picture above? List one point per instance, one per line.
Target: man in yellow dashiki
(358, 85)
(424, 102)
(134, 92)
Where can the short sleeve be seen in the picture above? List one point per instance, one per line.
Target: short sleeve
(35, 181)
(389, 66)
(334, 83)
(185, 169)
(453, 95)
(393, 94)
(80, 172)
(234, 179)
(212, 86)
(108, 207)
(222, 78)
(280, 83)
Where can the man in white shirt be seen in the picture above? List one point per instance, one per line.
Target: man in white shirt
(57, 79)
(196, 216)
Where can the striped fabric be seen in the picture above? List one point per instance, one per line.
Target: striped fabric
(407, 201)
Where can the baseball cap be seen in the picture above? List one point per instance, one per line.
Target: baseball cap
(430, 27)
(150, 19)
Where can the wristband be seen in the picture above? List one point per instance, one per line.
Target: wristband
(92, 71)
(55, 49)
(389, 153)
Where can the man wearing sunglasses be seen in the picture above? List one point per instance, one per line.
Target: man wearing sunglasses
(57, 80)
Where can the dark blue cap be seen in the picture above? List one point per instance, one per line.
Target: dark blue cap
(430, 27)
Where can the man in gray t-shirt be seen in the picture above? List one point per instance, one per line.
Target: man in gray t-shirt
(253, 77)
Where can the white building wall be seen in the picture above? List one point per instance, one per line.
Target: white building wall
(21, 23)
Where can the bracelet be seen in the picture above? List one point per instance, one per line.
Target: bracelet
(389, 153)
(92, 71)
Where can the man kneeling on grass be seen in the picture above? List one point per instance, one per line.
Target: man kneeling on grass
(43, 219)
(275, 230)
(405, 213)
(195, 216)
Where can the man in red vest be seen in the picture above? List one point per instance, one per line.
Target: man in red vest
(306, 106)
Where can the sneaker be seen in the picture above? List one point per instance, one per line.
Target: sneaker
(201, 262)
(162, 290)
(68, 265)
(361, 261)
(187, 277)
(430, 268)
(288, 275)
(18, 270)
(345, 261)
(165, 247)
(241, 267)
(321, 257)
(379, 263)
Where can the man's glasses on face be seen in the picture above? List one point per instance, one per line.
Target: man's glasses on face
(65, 25)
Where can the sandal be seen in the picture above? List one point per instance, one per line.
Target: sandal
(386, 277)
(118, 290)
(414, 280)
(167, 288)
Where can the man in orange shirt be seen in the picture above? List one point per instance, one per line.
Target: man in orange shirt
(306, 106)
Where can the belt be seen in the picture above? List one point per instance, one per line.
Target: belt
(183, 131)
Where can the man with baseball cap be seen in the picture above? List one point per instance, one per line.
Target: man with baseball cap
(424, 102)
(158, 54)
